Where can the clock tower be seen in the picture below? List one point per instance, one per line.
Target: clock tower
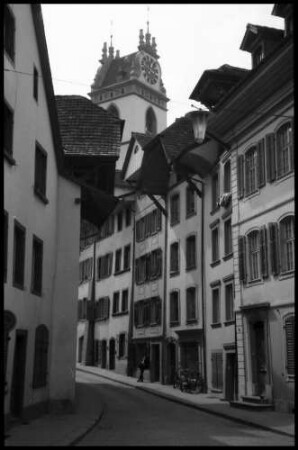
(131, 88)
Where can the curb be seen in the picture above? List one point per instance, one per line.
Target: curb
(81, 436)
(192, 405)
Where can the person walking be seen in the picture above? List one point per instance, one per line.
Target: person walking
(143, 364)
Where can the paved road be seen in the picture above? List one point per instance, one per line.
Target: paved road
(135, 418)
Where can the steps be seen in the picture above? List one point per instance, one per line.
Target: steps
(252, 402)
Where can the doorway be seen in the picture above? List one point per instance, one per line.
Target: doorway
(258, 358)
(171, 363)
(230, 376)
(81, 346)
(104, 354)
(155, 362)
(112, 354)
(18, 376)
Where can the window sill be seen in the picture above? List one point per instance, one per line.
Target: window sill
(120, 272)
(285, 275)
(228, 256)
(190, 214)
(215, 263)
(174, 324)
(251, 283)
(154, 324)
(191, 321)
(39, 294)
(174, 274)
(175, 223)
(290, 378)
(19, 286)
(216, 391)
(84, 281)
(9, 158)
(284, 177)
(215, 325)
(41, 196)
(251, 195)
(229, 322)
(214, 210)
(188, 269)
(120, 313)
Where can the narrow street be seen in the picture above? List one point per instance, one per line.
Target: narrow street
(135, 418)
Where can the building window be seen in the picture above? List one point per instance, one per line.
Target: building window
(284, 150)
(191, 253)
(127, 217)
(151, 124)
(190, 201)
(19, 255)
(121, 348)
(82, 309)
(104, 266)
(215, 244)
(287, 243)
(103, 308)
(116, 297)
(217, 370)
(119, 221)
(191, 306)
(175, 209)
(254, 256)
(229, 294)
(215, 306)
(257, 56)
(37, 260)
(174, 258)
(228, 237)
(9, 32)
(154, 305)
(215, 190)
(40, 172)
(290, 344)
(40, 357)
(251, 170)
(118, 260)
(35, 83)
(174, 308)
(227, 176)
(124, 305)
(5, 245)
(126, 257)
(8, 130)
(139, 314)
(86, 267)
(155, 264)
(148, 225)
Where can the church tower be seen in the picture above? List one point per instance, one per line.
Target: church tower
(131, 88)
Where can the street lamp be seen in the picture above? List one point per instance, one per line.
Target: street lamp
(199, 120)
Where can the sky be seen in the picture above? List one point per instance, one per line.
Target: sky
(191, 38)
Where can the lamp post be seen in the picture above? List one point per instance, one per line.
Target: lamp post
(199, 121)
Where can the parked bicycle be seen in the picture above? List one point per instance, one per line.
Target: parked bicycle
(188, 380)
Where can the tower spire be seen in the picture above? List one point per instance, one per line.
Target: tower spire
(111, 48)
(148, 35)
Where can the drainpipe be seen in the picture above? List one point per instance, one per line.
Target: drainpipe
(203, 283)
(129, 369)
(164, 320)
(91, 318)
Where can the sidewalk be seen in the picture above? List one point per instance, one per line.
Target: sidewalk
(280, 423)
(66, 429)
(59, 429)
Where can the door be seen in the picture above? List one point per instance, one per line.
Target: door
(81, 346)
(189, 355)
(104, 354)
(155, 363)
(259, 365)
(18, 375)
(230, 376)
(112, 354)
(171, 362)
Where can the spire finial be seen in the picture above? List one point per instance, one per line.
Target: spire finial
(111, 48)
(148, 10)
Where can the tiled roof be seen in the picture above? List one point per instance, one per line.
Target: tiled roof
(87, 129)
(142, 138)
(119, 70)
(177, 136)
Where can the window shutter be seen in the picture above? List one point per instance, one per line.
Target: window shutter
(99, 352)
(273, 242)
(242, 258)
(117, 349)
(261, 163)
(214, 371)
(264, 252)
(159, 262)
(219, 371)
(148, 266)
(126, 346)
(136, 322)
(292, 145)
(158, 311)
(158, 220)
(240, 175)
(290, 344)
(271, 157)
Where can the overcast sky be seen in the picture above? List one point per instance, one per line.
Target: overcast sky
(190, 38)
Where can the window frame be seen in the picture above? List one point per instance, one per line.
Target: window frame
(19, 255)
(215, 190)
(174, 321)
(283, 241)
(215, 255)
(190, 202)
(279, 150)
(216, 311)
(118, 260)
(251, 170)
(116, 302)
(175, 209)
(8, 133)
(5, 244)
(35, 83)
(228, 238)
(124, 300)
(231, 317)
(290, 374)
(37, 290)
(9, 33)
(174, 270)
(191, 253)
(40, 173)
(126, 257)
(256, 262)
(194, 299)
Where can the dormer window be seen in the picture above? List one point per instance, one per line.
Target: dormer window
(257, 56)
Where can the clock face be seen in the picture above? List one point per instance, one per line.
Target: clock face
(150, 69)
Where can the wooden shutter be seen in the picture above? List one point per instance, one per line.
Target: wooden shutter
(158, 311)
(219, 365)
(136, 321)
(273, 242)
(242, 258)
(290, 344)
(117, 350)
(99, 353)
(271, 157)
(264, 251)
(240, 175)
(214, 370)
(158, 228)
(292, 145)
(159, 262)
(126, 346)
(261, 163)
(148, 266)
